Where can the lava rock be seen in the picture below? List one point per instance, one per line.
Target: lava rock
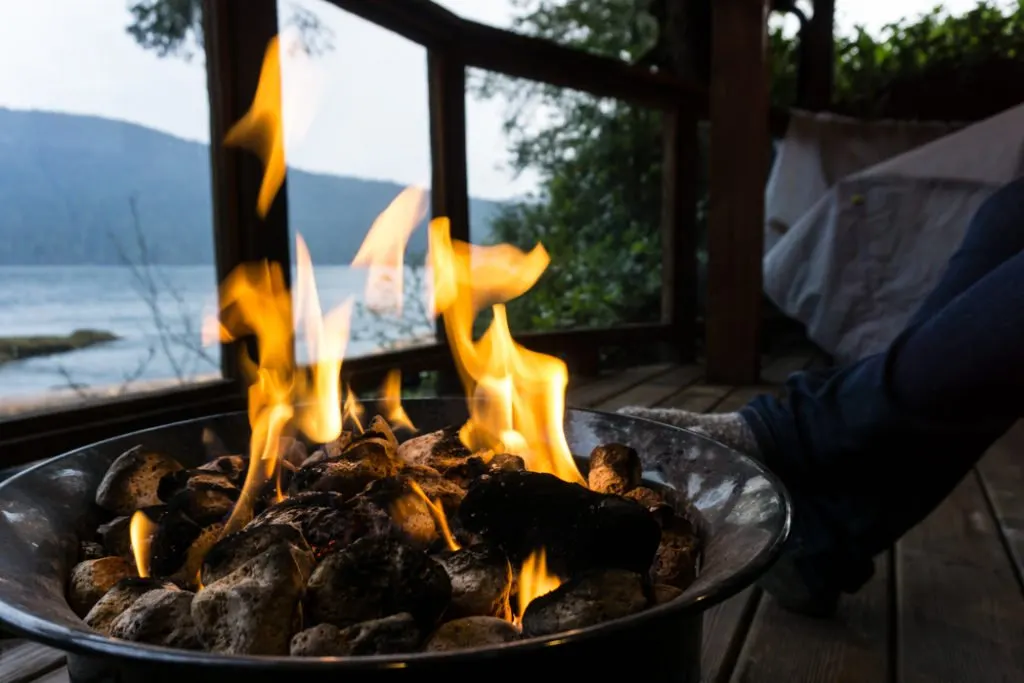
(459, 634)
(579, 529)
(614, 468)
(119, 598)
(116, 536)
(292, 451)
(327, 520)
(332, 449)
(654, 502)
(380, 427)
(586, 600)
(90, 550)
(506, 462)
(171, 540)
(347, 477)
(396, 634)
(159, 617)
(441, 450)
(377, 577)
(664, 593)
(408, 510)
(188, 573)
(255, 609)
(436, 487)
(132, 481)
(206, 497)
(676, 561)
(90, 580)
(235, 550)
(234, 467)
(481, 579)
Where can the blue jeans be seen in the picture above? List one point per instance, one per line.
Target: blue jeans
(869, 449)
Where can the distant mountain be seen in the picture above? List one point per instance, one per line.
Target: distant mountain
(66, 180)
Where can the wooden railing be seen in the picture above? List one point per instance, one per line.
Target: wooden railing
(236, 33)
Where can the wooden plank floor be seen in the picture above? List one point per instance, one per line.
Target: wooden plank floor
(945, 605)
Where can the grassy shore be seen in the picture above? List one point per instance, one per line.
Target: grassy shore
(19, 348)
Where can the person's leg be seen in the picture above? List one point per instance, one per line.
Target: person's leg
(868, 450)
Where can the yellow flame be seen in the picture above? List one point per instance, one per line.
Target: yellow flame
(383, 250)
(534, 581)
(516, 396)
(141, 530)
(437, 512)
(353, 410)
(395, 413)
(261, 130)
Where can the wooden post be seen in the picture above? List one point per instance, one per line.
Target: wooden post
(818, 51)
(236, 34)
(678, 230)
(449, 192)
(738, 170)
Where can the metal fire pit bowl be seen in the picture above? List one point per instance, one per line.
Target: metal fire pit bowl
(740, 508)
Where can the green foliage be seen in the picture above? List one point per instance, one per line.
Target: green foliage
(597, 210)
(175, 27)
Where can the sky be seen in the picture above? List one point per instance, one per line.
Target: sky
(369, 114)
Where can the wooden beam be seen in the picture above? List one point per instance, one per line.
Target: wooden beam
(737, 175)
(679, 230)
(449, 194)
(236, 34)
(818, 49)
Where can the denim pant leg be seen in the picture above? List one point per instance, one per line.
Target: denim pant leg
(868, 450)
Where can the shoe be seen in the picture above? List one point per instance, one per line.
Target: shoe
(791, 592)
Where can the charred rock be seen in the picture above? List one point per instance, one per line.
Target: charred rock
(90, 581)
(481, 579)
(237, 549)
(586, 600)
(614, 468)
(133, 480)
(377, 577)
(471, 632)
(579, 529)
(159, 617)
(396, 634)
(119, 598)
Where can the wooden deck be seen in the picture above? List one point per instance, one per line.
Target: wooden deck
(945, 605)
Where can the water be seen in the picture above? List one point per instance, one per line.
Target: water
(159, 319)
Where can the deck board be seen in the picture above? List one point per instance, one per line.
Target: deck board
(1002, 476)
(22, 661)
(961, 611)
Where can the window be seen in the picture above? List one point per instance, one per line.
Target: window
(365, 137)
(582, 176)
(106, 248)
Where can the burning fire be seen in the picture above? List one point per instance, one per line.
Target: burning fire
(141, 530)
(516, 396)
(392, 391)
(437, 512)
(534, 581)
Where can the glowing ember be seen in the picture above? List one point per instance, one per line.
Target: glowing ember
(534, 581)
(392, 391)
(516, 396)
(141, 532)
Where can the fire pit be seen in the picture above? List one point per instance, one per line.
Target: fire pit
(738, 509)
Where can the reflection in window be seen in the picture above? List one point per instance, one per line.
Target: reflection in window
(361, 134)
(106, 249)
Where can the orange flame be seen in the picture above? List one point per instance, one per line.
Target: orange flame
(353, 410)
(516, 396)
(392, 391)
(261, 130)
(141, 530)
(383, 250)
(534, 581)
(437, 512)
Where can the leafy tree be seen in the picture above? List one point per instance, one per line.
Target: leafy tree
(175, 27)
(597, 208)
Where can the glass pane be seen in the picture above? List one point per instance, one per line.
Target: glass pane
(364, 137)
(106, 247)
(582, 176)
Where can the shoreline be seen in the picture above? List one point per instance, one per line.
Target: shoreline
(14, 349)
